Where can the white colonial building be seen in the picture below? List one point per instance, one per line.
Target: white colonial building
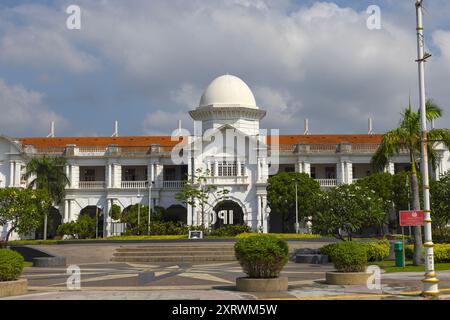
(227, 144)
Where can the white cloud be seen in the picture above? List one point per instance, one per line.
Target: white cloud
(23, 111)
(318, 62)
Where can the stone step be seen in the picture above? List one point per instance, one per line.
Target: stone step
(166, 253)
(176, 258)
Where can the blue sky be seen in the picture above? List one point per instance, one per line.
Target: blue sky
(146, 63)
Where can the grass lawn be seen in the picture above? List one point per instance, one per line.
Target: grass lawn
(28, 264)
(389, 266)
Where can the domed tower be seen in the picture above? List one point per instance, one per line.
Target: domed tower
(228, 100)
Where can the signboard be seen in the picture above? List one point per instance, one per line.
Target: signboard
(412, 218)
(195, 234)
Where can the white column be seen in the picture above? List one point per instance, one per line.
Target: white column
(265, 215)
(18, 174)
(238, 169)
(300, 167)
(66, 211)
(216, 168)
(109, 175)
(260, 218)
(11, 174)
(349, 171)
(307, 168)
(258, 169)
(208, 167)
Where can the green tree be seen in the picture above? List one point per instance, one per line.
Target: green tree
(115, 212)
(440, 202)
(198, 193)
(345, 210)
(281, 196)
(408, 137)
(48, 174)
(23, 209)
(382, 184)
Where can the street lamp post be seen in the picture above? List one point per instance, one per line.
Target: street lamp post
(297, 225)
(139, 211)
(149, 205)
(430, 283)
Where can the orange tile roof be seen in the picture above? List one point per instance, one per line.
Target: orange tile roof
(99, 141)
(329, 139)
(141, 141)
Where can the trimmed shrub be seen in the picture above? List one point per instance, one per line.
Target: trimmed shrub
(442, 253)
(262, 255)
(377, 251)
(11, 265)
(349, 257)
(230, 230)
(328, 249)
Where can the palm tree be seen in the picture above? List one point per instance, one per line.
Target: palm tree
(48, 174)
(408, 137)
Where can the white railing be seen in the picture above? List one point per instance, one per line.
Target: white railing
(327, 182)
(173, 184)
(90, 151)
(134, 184)
(91, 185)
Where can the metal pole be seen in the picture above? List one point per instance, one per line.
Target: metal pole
(149, 207)
(430, 282)
(139, 211)
(297, 227)
(45, 225)
(96, 222)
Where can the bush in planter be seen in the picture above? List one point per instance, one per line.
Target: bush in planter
(377, 251)
(262, 255)
(349, 257)
(11, 265)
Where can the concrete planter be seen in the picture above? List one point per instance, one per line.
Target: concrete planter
(262, 285)
(13, 288)
(347, 278)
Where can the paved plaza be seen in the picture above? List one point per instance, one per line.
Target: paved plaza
(214, 281)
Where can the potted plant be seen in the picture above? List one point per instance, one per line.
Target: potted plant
(350, 260)
(262, 257)
(11, 266)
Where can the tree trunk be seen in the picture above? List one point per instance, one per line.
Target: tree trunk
(418, 245)
(5, 244)
(45, 226)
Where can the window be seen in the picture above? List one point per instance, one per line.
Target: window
(330, 173)
(130, 175)
(228, 169)
(89, 174)
(313, 172)
(169, 174)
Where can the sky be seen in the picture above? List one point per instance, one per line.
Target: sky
(146, 63)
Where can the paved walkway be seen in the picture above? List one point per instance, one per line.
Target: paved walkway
(208, 281)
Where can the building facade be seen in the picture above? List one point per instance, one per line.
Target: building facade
(227, 145)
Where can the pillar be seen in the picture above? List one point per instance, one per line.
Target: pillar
(238, 168)
(265, 214)
(18, 174)
(11, 173)
(66, 210)
(307, 168)
(260, 219)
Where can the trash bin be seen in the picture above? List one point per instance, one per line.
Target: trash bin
(399, 258)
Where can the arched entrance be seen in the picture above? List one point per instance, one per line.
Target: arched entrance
(227, 212)
(96, 214)
(176, 213)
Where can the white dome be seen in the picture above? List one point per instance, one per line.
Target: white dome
(228, 90)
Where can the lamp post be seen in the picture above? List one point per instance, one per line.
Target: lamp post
(430, 283)
(149, 205)
(139, 210)
(297, 225)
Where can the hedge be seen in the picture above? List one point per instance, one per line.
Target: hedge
(11, 265)
(441, 252)
(375, 251)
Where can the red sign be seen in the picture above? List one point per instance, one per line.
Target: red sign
(412, 218)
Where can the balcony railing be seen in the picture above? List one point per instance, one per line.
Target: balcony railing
(134, 184)
(173, 184)
(327, 182)
(91, 185)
